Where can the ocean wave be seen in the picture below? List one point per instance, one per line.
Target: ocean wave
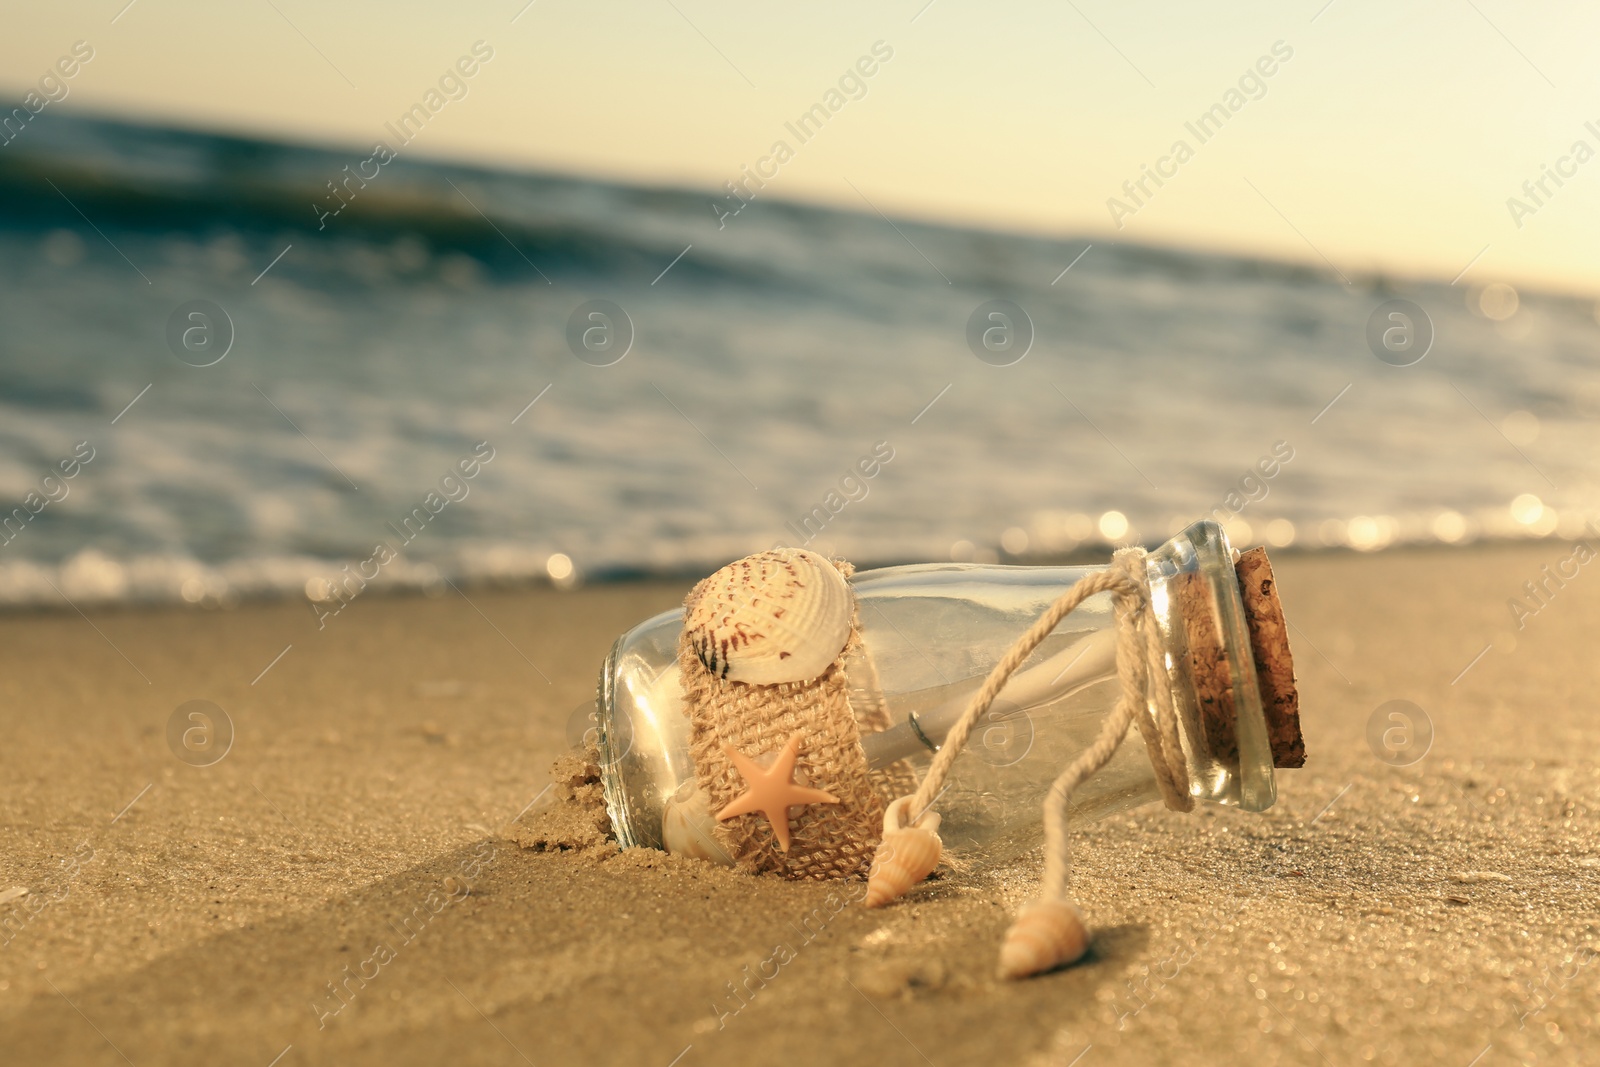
(92, 578)
(367, 357)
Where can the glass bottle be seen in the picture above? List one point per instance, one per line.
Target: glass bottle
(931, 633)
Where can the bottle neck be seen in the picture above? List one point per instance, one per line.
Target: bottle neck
(1228, 665)
(1225, 659)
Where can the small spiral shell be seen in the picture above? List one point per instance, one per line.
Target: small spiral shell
(905, 856)
(1045, 934)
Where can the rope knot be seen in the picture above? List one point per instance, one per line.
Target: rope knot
(1145, 699)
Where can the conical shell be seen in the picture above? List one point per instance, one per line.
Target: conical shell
(1046, 934)
(905, 856)
(779, 616)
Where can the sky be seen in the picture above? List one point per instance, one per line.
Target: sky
(1384, 139)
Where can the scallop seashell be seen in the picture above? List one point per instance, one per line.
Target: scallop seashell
(905, 856)
(779, 616)
(1045, 934)
(686, 825)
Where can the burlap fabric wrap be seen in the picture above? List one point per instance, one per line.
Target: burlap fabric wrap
(826, 840)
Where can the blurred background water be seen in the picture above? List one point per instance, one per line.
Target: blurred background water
(772, 351)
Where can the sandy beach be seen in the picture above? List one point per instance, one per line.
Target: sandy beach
(363, 819)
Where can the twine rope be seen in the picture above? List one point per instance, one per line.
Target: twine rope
(1145, 700)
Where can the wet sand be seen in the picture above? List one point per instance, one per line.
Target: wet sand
(182, 914)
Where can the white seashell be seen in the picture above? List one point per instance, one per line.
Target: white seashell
(1045, 934)
(686, 827)
(905, 856)
(779, 616)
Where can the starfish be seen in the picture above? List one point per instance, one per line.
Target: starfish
(771, 790)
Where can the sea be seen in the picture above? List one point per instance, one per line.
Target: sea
(234, 368)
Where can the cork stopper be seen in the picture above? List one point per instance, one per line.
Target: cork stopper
(1269, 647)
(1269, 642)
